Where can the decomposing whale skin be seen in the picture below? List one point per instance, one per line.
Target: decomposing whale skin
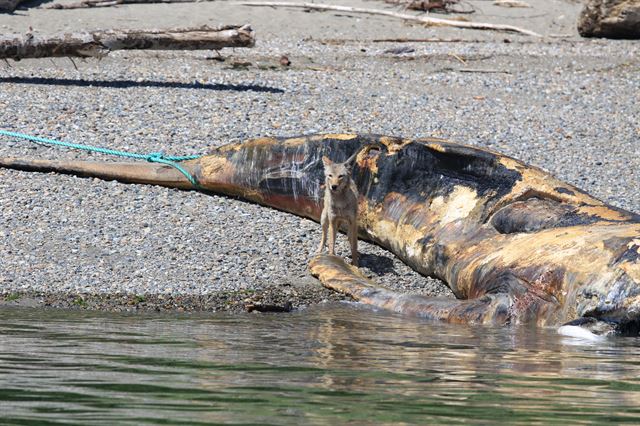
(514, 244)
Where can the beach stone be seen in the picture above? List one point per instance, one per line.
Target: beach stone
(610, 19)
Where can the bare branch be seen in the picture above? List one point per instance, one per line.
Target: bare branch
(413, 18)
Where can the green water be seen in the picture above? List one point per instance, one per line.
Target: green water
(336, 364)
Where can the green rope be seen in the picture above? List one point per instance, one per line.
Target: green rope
(154, 157)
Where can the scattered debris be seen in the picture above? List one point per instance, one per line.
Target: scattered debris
(413, 18)
(511, 3)
(240, 65)
(217, 58)
(439, 6)
(284, 61)
(462, 61)
(420, 40)
(400, 50)
(99, 43)
(258, 307)
(475, 70)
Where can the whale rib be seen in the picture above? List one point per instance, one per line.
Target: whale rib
(336, 275)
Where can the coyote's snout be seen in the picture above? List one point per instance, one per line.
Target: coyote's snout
(340, 205)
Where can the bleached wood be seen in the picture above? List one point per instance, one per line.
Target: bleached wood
(413, 18)
(99, 43)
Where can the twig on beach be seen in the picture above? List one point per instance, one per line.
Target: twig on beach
(476, 70)
(108, 3)
(462, 61)
(441, 6)
(73, 63)
(413, 18)
(97, 44)
(419, 40)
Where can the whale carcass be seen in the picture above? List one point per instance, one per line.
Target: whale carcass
(514, 244)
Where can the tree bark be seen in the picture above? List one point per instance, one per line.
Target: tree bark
(99, 43)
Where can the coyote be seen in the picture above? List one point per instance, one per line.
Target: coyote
(340, 205)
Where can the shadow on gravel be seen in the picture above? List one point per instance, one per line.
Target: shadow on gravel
(125, 84)
(379, 264)
(31, 4)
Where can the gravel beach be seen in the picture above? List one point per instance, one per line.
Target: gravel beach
(567, 105)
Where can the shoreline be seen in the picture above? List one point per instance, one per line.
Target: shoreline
(271, 300)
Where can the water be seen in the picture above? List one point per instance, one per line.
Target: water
(333, 364)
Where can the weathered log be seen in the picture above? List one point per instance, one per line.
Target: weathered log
(108, 3)
(99, 43)
(610, 19)
(9, 5)
(514, 244)
(413, 18)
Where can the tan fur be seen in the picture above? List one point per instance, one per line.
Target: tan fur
(340, 205)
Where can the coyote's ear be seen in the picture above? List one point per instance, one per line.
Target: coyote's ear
(326, 160)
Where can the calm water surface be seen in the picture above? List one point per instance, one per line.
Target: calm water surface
(334, 364)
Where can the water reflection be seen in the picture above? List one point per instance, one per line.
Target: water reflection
(340, 363)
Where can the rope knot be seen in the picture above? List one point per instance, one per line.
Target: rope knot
(155, 157)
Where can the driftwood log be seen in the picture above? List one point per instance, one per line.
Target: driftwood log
(426, 20)
(99, 43)
(514, 244)
(610, 19)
